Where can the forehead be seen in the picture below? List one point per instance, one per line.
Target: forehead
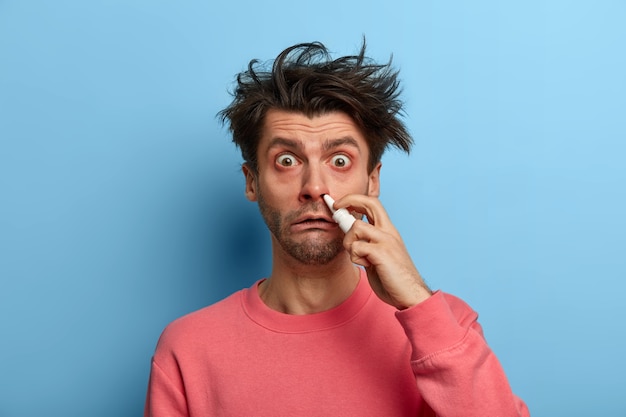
(298, 126)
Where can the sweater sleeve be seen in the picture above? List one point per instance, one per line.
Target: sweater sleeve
(456, 371)
(166, 393)
(165, 398)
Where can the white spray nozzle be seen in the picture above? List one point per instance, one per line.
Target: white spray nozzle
(342, 217)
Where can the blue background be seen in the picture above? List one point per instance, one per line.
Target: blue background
(122, 206)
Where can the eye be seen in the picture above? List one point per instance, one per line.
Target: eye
(340, 161)
(286, 160)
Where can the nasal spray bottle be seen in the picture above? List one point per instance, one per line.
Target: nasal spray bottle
(342, 217)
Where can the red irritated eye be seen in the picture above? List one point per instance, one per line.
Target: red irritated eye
(340, 161)
(286, 160)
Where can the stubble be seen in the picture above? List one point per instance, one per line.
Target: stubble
(312, 250)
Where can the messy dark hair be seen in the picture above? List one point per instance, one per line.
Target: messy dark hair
(304, 78)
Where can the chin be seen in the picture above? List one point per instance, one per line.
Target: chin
(314, 252)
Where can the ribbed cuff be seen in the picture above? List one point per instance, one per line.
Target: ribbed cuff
(430, 326)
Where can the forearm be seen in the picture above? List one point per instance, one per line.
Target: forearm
(456, 371)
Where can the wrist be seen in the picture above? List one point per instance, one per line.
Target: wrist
(421, 294)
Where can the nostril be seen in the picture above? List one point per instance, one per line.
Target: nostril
(310, 195)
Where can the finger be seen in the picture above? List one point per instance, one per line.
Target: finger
(373, 245)
(365, 232)
(368, 253)
(358, 255)
(370, 206)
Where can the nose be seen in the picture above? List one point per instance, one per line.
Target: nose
(313, 184)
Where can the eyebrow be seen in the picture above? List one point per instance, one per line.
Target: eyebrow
(328, 144)
(335, 143)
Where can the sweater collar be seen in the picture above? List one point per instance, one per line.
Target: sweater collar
(276, 321)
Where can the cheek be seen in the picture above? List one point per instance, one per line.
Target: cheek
(276, 188)
(350, 184)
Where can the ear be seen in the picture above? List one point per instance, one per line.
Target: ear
(251, 185)
(373, 186)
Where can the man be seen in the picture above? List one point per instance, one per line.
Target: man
(344, 325)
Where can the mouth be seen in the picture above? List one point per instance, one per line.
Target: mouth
(314, 222)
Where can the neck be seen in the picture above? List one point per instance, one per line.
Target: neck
(295, 288)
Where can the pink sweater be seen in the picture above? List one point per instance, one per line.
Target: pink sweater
(363, 358)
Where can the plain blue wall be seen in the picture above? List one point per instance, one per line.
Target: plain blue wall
(122, 207)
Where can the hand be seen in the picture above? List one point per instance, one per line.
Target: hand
(377, 246)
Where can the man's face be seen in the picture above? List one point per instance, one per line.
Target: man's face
(299, 160)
